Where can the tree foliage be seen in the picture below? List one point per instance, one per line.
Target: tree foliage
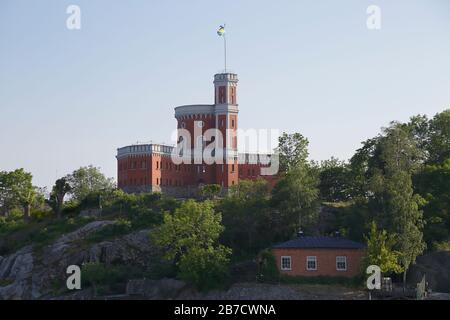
(17, 190)
(296, 197)
(88, 180)
(292, 150)
(380, 250)
(189, 237)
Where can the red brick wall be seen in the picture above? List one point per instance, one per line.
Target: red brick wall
(326, 261)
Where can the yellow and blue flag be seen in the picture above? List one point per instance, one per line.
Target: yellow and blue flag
(221, 31)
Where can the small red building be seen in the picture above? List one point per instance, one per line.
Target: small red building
(319, 256)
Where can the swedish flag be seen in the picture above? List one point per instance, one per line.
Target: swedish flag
(221, 31)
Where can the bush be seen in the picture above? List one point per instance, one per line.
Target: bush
(205, 268)
(10, 224)
(441, 246)
(107, 278)
(120, 227)
(268, 268)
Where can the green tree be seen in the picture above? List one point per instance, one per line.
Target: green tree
(247, 217)
(361, 168)
(380, 250)
(432, 183)
(88, 180)
(6, 194)
(292, 150)
(206, 267)
(334, 180)
(394, 196)
(189, 237)
(439, 138)
(210, 191)
(23, 193)
(59, 191)
(296, 197)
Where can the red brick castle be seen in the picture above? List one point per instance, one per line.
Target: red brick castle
(151, 168)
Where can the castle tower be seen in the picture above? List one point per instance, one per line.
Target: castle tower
(226, 112)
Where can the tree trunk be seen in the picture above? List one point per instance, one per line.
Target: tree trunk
(58, 209)
(404, 281)
(26, 212)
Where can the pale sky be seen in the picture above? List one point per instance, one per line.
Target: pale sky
(69, 98)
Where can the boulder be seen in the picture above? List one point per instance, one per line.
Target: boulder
(436, 268)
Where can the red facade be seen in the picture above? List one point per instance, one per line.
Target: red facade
(150, 167)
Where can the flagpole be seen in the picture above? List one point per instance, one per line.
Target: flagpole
(225, 48)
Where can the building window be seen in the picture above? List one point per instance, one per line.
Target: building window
(232, 123)
(311, 263)
(286, 263)
(341, 263)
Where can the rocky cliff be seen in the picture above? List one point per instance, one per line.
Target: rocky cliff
(34, 273)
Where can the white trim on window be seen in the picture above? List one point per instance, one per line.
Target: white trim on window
(340, 260)
(286, 263)
(312, 259)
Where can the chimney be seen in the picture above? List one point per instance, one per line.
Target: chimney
(300, 234)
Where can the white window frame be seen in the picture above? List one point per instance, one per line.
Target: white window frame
(344, 260)
(311, 258)
(290, 263)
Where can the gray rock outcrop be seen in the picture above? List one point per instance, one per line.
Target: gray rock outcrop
(436, 268)
(34, 273)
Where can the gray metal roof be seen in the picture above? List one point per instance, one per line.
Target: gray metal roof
(320, 242)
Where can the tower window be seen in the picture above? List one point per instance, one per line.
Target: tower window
(222, 95)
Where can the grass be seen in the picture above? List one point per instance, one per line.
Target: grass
(39, 233)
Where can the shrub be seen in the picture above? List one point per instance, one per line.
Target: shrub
(120, 227)
(441, 246)
(268, 267)
(105, 278)
(205, 268)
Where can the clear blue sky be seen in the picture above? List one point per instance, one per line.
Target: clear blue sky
(70, 98)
